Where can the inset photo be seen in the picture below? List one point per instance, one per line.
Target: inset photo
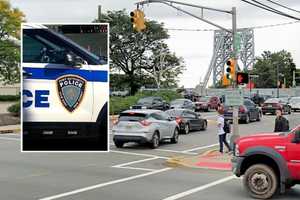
(65, 88)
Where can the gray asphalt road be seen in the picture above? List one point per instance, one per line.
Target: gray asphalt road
(134, 172)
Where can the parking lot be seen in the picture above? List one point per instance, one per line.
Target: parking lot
(133, 172)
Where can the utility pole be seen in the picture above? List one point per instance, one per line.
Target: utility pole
(277, 80)
(99, 13)
(294, 78)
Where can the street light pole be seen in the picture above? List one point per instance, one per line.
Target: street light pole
(277, 80)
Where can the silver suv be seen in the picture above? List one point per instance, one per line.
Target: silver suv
(144, 126)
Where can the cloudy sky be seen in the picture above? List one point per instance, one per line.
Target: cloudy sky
(195, 47)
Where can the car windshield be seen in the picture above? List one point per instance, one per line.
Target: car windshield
(174, 113)
(205, 99)
(295, 100)
(145, 100)
(178, 101)
(272, 101)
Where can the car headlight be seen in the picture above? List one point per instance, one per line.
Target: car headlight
(144, 107)
(130, 107)
(236, 150)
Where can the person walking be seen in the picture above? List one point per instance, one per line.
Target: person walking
(281, 123)
(221, 131)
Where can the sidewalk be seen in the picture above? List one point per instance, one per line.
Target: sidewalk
(211, 159)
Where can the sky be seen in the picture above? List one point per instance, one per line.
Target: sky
(196, 47)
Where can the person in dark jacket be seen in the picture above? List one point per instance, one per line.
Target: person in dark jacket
(281, 123)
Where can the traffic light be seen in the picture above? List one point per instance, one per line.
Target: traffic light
(138, 20)
(230, 70)
(225, 81)
(242, 78)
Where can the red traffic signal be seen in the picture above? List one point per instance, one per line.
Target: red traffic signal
(242, 78)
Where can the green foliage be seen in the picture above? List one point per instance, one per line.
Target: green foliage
(15, 109)
(9, 97)
(10, 22)
(137, 53)
(119, 104)
(266, 68)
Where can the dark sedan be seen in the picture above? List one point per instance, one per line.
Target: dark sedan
(188, 120)
(152, 102)
(247, 112)
(271, 105)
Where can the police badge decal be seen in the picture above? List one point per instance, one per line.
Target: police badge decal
(70, 89)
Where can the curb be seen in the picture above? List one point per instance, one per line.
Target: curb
(6, 130)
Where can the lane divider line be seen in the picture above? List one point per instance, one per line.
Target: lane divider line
(138, 154)
(134, 162)
(198, 189)
(174, 151)
(200, 148)
(92, 187)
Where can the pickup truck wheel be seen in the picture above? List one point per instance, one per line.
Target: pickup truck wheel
(175, 137)
(260, 181)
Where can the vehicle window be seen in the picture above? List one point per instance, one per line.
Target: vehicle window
(295, 100)
(189, 115)
(145, 100)
(178, 101)
(163, 115)
(272, 101)
(132, 117)
(40, 50)
(174, 113)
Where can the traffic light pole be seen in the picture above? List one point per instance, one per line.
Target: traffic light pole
(235, 113)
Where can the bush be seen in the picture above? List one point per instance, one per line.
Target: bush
(15, 109)
(9, 97)
(119, 104)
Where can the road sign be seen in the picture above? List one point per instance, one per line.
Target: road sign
(234, 98)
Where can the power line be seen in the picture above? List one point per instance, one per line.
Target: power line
(253, 27)
(270, 9)
(286, 7)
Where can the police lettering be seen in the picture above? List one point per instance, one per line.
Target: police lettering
(69, 81)
(40, 98)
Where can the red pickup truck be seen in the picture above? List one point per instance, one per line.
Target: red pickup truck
(269, 162)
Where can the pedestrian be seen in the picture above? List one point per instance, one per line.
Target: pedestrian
(281, 123)
(221, 132)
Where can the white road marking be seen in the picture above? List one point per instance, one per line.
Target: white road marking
(137, 168)
(200, 148)
(104, 184)
(197, 189)
(174, 151)
(139, 154)
(9, 138)
(135, 162)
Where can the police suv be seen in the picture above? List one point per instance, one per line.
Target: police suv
(65, 88)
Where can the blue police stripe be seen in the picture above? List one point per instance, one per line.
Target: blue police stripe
(54, 73)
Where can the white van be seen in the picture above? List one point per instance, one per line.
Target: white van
(65, 87)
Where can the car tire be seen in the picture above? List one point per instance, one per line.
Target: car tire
(119, 144)
(204, 127)
(186, 129)
(260, 181)
(289, 111)
(155, 141)
(175, 137)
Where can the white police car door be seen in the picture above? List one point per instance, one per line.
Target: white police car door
(55, 89)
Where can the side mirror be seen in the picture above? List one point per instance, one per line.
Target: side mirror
(297, 137)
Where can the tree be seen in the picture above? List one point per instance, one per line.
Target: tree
(135, 53)
(10, 22)
(266, 68)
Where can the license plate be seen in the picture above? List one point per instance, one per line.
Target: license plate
(270, 106)
(128, 126)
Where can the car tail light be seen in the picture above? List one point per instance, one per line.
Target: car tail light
(178, 120)
(145, 122)
(242, 109)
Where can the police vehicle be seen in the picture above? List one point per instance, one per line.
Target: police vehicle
(65, 88)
